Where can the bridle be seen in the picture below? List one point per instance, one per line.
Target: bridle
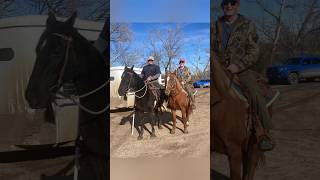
(74, 98)
(172, 86)
(65, 62)
(128, 89)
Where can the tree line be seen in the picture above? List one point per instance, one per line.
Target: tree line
(97, 10)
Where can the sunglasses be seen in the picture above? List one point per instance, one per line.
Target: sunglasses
(181, 62)
(232, 2)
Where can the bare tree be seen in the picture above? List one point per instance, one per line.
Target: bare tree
(200, 66)
(120, 40)
(62, 7)
(153, 47)
(100, 10)
(171, 42)
(309, 23)
(278, 19)
(6, 7)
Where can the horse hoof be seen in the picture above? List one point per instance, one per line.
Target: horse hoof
(160, 127)
(153, 136)
(172, 131)
(140, 138)
(188, 123)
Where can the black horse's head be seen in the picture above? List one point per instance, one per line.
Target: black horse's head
(54, 54)
(129, 80)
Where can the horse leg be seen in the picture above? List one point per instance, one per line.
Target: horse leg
(159, 119)
(253, 164)
(174, 121)
(252, 158)
(140, 125)
(153, 123)
(245, 165)
(188, 114)
(184, 119)
(235, 161)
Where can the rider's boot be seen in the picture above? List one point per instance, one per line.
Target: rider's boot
(265, 142)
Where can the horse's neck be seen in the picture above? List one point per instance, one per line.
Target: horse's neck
(139, 82)
(91, 64)
(221, 80)
(179, 86)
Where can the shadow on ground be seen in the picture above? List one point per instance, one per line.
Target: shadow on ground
(166, 119)
(215, 175)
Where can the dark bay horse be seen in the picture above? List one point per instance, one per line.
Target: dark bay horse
(144, 100)
(177, 100)
(68, 64)
(232, 132)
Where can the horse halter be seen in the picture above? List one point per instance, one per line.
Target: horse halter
(66, 57)
(128, 89)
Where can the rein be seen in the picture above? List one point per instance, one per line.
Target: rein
(65, 62)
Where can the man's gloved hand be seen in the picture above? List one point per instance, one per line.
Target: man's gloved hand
(149, 78)
(233, 68)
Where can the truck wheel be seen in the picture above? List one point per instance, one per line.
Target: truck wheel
(293, 78)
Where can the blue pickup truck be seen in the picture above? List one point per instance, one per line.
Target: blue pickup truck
(202, 83)
(295, 69)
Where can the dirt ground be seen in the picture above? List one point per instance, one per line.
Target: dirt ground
(178, 145)
(296, 156)
(297, 133)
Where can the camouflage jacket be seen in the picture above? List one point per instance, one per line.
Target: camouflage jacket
(242, 48)
(185, 76)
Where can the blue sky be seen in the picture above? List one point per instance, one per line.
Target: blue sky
(195, 42)
(152, 11)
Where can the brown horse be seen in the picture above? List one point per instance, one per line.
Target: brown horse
(177, 100)
(232, 131)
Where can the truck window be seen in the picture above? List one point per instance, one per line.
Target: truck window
(315, 61)
(307, 61)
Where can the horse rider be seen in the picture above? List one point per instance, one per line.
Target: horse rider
(184, 76)
(236, 47)
(150, 74)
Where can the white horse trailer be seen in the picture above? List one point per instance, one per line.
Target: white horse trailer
(18, 39)
(115, 79)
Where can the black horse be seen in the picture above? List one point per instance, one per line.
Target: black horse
(144, 100)
(68, 64)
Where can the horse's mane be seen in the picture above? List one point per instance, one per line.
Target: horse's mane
(86, 43)
(222, 80)
(135, 75)
(177, 81)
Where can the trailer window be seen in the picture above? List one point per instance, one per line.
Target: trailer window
(6, 54)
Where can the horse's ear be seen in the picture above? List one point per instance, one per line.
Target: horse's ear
(51, 18)
(132, 67)
(72, 19)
